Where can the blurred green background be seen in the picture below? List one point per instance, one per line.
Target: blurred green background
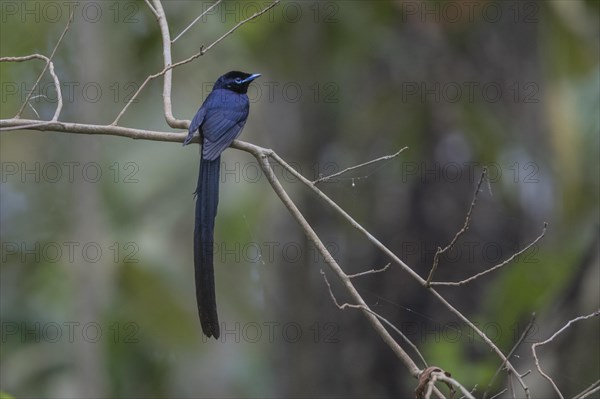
(97, 293)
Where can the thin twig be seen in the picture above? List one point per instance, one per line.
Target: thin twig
(196, 20)
(586, 392)
(427, 379)
(50, 66)
(380, 317)
(172, 121)
(590, 392)
(263, 159)
(499, 393)
(397, 261)
(471, 391)
(372, 271)
(384, 158)
(152, 9)
(44, 70)
(585, 395)
(33, 109)
(511, 386)
(465, 227)
(347, 217)
(449, 380)
(230, 31)
(514, 348)
(534, 346)
(491, 269)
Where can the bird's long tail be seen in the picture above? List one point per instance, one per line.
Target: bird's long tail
(206, 209)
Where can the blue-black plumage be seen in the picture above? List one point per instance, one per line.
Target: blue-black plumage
(218, 122)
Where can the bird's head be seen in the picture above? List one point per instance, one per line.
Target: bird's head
(235, 81)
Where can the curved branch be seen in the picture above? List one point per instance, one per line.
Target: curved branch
(534, 346)
(50, 66)
(48, 63)
(166, 38)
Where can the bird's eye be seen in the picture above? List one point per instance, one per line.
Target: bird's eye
(238, 80)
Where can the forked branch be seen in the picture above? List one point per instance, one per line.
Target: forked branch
(440, 251)
(493, 268)
(565, 327)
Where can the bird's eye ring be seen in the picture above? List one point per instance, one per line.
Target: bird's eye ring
(238, 80)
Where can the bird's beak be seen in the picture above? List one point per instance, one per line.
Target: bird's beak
(251, 78)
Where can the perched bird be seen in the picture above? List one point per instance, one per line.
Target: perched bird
(219, 121)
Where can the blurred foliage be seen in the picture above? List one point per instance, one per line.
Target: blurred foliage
(343, 82)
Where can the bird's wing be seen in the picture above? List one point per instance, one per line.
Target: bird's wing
(220, 128)
(224, 120)
(195, 125)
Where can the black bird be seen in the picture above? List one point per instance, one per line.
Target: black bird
(219, 121)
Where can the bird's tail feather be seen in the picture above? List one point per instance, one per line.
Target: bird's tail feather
(207, 200)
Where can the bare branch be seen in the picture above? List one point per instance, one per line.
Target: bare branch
(164, 28)
(196, 20)
(346, 216)
(485, 339)
(506, 389)
(384, 158)
(372, 271)
(511, 386)
(507, 261)
(499, 393)
(50, 66)
(263, 159)
(430, 376)
(166, 38)
(33, 109)
(152, 9)
(471, 392)
(383, 319)
(514, 348)
(33, 125)
(588, 391)
(597, 389)
(566, 326)
(44, 70)
(333, 298)
(427, 380)
(449, 380)
(397, 261)
(79, 128)
(135, 95)
(108, 130)
(465, 227)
